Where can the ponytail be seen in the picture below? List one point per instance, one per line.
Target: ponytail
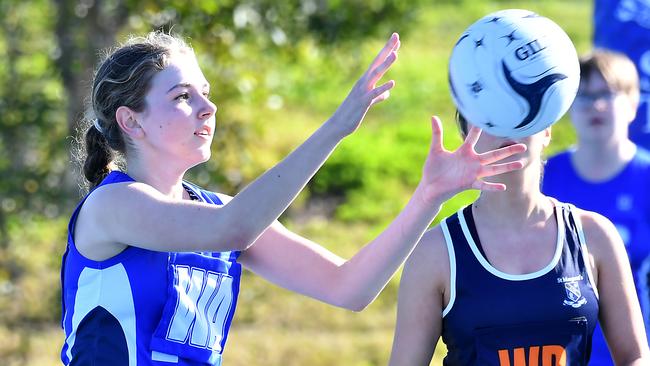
(99, 157)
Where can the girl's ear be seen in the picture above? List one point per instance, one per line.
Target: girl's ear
(126, 119)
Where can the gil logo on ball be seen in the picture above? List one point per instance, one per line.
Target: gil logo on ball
(513, 73)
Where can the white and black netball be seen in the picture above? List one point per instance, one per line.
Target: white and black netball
(513, 73)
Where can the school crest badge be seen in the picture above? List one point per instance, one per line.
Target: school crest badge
(574, 297)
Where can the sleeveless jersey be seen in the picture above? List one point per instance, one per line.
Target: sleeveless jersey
(499, 319)
(624, 26)
(625, 200)
(143, 307)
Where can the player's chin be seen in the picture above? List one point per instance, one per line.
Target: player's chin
(205, 155)
(198, 160)
(201, 155)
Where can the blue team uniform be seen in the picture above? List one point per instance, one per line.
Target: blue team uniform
(624, 26)
(534, 319)
(624, 200)
(144, 307)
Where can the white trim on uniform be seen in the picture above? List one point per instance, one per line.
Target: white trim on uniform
(516, 277)
(452, 268)
(163, 357)
(109, 288)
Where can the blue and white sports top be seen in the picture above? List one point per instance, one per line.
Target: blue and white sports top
(143, 307)
(534, 319)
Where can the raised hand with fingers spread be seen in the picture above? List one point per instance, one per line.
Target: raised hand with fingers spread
(446, 172)
(365, 92)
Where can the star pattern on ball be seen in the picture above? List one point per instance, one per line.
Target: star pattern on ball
(511, 37)
(476, 87)
(478, 43)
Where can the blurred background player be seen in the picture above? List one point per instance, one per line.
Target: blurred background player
(605, 171)
(624, 26)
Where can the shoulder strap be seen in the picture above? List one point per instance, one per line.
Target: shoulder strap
(575, 224)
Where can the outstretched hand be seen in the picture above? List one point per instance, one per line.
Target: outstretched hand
(365, 93)
(449, 172)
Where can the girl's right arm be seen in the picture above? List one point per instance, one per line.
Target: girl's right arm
(135, 214)
(423, 294)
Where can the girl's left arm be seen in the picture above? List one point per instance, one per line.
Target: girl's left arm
(303, 266)
(620, 313)
(300, 265)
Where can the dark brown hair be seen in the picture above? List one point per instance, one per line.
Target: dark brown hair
(462, 124)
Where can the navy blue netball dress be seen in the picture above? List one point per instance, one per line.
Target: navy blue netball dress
(499, 319)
